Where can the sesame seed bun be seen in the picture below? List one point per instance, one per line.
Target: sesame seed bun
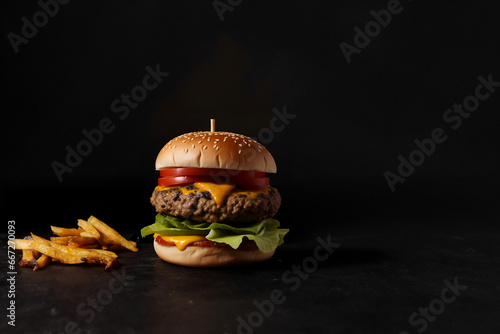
(207, 149)
(199, 256)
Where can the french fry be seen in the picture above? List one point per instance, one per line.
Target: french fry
(86, 234)
(91, 246)
(29, 258)
(81, 241)
(74, 241)
(66, 232)
(42, 261)
(90, 230)
(62, 240)
(103, 242)
(23, 244)
(70, 255)
(111, 235)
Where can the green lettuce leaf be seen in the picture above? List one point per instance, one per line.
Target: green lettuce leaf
(266, 233)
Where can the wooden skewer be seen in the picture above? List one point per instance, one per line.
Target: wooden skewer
(212, 125)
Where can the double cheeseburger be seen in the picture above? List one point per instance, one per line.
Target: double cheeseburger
(214, 203)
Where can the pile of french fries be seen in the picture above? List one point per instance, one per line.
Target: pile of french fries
(93, 242)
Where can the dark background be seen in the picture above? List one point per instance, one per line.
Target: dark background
(352, 120)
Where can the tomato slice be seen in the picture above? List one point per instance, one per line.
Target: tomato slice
(250, 181)
(180, 180)
(177, 176)
(240, 180)
(217, 172)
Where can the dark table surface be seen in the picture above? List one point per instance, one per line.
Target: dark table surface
(383, 270)
(377, 277)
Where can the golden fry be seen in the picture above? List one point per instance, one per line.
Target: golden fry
(91, 246)
(111, 235)
(66, 232)
(29, 258)
(81, 241)
(22, 243)
(70, 255)
(89, 228)
(103, 242)
(42, 262)
(62, 240)
(73, 241)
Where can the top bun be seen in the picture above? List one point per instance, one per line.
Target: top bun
(218, 149)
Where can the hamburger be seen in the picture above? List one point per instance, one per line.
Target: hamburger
(214, 203)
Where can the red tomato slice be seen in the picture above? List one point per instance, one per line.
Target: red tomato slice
(180, 180)
(220, 172)
(250, 181)
(244, 181)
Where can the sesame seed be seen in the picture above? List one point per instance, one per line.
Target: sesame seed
(204, 147)
(174, 146)
(239, 151)
(193, 146)
(185, 150)
(200, 141)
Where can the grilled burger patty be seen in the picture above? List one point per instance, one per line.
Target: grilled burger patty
(202, 207)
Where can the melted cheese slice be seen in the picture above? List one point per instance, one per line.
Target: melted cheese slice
(252, 193)
(219, 192)
(182, 241)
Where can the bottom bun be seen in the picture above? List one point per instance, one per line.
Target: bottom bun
(198, 256)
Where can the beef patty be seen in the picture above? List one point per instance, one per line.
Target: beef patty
(202, 207)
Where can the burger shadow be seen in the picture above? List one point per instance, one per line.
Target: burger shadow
(342, 257)
(288, 259)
